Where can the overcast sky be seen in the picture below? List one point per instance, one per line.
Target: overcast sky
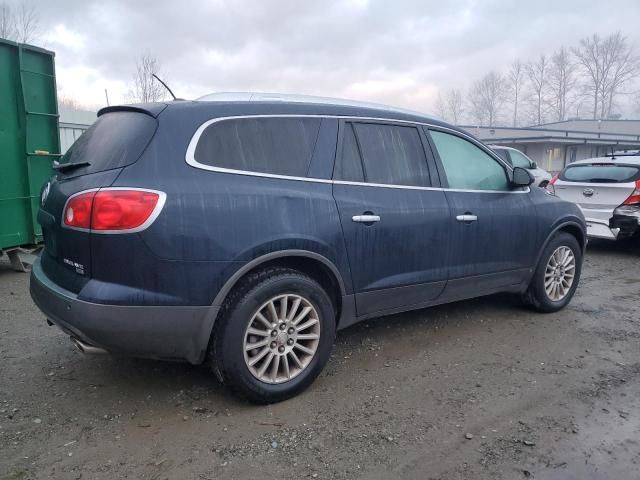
(393, 52)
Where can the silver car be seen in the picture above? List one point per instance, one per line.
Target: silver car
(518, 159)
(607, 190)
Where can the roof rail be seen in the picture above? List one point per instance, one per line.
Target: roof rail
(295, 98)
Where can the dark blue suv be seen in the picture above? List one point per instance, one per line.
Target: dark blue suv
(245, 233)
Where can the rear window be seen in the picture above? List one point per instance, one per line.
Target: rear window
(392, 154)
(280, 146)
(601, 173)
(115, 140)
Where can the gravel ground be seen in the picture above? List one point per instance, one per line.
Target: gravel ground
(476, 389)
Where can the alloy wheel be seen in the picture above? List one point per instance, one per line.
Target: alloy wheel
(281, 338)
(559, 273)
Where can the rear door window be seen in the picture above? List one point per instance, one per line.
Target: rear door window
(601, 173)
(349, 164)
(467, 166)
(392, 154)
(279, 145)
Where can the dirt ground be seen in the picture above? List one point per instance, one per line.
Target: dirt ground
(480, 389)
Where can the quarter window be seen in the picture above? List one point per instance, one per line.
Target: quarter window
(280, 145)
(392, 154)
(467, 166)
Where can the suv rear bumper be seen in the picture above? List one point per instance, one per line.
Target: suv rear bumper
(167, 332)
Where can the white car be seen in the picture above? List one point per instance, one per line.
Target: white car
(518, 159)
(607, 190)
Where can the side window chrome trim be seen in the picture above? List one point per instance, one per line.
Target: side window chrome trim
(412, 187)
(191, 149)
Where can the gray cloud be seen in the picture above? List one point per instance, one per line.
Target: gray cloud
(393, 52)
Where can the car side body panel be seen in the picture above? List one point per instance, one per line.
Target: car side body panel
(217, 226)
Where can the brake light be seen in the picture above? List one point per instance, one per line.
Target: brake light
(113, 209)
(634, 198)
(77, 212)
(550, 188)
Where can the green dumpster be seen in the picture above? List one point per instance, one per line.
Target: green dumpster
(29, 139)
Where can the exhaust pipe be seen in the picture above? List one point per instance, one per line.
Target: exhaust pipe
(87, 349)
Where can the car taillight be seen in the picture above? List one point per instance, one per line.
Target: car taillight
(113, 209)
(550, 188)
(77, 212)
(634, 198)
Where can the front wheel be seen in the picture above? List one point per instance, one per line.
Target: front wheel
(557, 274)
(274, 336)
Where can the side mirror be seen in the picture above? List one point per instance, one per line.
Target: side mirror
(521, 177)
(534, 165)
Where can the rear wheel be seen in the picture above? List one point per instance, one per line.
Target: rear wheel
(557, 274)
(274, 335)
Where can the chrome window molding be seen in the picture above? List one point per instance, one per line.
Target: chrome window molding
(162, 198)
(191, 150)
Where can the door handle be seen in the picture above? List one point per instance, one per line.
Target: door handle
(366, 218)
(466, 218)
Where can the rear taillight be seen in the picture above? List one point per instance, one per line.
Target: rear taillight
(550, 188)
(634, 198)
(77, 212)
(113, 210)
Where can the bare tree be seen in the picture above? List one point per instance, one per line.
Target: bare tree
(537, 73)
(515, 79)
(27, 23)
(65, 101)
(144, 87)
(562, 83)
(7, 22)
(608, 65)
(625, 66)
(22, 25)
(487, 97)
(449, 105)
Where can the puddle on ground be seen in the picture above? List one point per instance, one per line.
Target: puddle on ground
(606, 447)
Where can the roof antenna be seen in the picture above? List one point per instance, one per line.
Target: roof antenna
(165, 86)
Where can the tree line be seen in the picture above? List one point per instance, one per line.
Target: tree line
(584, 81)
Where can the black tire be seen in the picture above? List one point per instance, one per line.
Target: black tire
(536, 295)
(226, 355)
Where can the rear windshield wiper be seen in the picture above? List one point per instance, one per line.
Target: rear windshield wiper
(63, 167)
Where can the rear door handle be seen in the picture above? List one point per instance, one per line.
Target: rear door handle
(366, 218)
(466, 218)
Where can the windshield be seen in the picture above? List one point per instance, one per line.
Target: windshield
(502, 153)
(601, 173)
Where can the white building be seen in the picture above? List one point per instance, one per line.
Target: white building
(72, 123)
(554, 145)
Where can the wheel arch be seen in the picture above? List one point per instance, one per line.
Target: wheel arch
(313, 264)
(317, 266)
(569, 226)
